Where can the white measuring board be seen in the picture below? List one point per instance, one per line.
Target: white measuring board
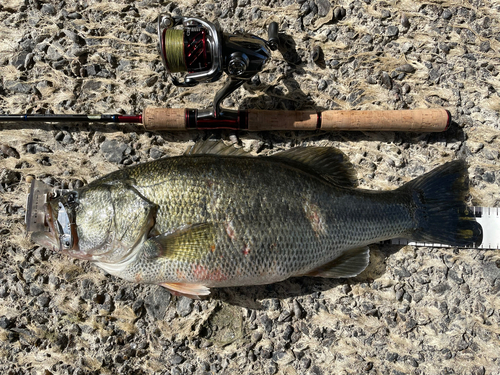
(488, 217)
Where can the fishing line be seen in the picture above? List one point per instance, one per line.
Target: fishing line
(174, 50)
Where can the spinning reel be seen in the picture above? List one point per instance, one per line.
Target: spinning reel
(204, 52)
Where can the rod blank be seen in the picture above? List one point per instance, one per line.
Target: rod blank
(71, 118)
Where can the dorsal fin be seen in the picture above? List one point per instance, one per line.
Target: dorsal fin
(214, 147)
(328, 162)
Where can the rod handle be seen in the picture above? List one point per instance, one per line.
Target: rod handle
(156, 119)
(412, 120)
(261, 120)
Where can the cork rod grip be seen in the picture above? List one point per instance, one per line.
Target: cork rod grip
(414, 120)
(417, 120)
(259, 120)
(164, 119)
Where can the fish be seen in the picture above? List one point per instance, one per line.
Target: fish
(217, 216)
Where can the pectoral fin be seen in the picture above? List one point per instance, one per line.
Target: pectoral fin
(349, 264)
(193, 291)
(188, 244)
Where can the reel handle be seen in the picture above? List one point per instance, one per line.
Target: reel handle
(411, 120)
(272, 36)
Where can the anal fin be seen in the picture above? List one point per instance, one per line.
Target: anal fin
(193, 291)
(349, 264)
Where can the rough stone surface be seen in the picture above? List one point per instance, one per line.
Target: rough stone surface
(417, 310)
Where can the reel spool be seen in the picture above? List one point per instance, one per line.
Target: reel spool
(195, 49)
(187, 51)
(204, 52)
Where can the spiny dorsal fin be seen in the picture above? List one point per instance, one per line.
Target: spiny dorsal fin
(214, 147)
(349, 264)
(328, 162)
(189, 243)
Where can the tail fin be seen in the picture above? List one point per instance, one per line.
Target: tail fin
(440, 211)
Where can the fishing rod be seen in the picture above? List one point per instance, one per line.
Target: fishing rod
(174, 119)
(204, 53)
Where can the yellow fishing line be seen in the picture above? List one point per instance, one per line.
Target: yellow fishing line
(174, 50)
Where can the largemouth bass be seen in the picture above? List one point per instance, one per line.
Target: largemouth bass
(216, 217)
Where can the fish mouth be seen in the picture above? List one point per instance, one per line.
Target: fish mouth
(45, 239)
(48, 236)
(60, 232)
(51, 222)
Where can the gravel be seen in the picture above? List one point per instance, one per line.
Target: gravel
(156, 303)
(114, 151)
(416, 310)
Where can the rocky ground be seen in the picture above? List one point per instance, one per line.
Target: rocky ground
(415, 311)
